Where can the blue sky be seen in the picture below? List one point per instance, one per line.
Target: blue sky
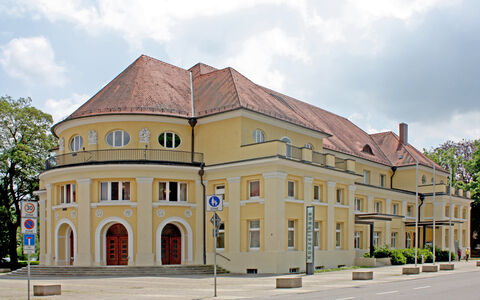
(375, 62)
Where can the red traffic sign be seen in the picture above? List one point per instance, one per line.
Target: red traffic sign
(29, 209)
(29, 225)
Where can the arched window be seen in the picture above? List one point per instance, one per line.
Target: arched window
(424, 179)
(258, 136)
(118, 138)
(169, 140)
(289, 146)
(76, 143)
(367, 149)
(308, 146)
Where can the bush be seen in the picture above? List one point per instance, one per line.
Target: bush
(427, 255)
(382, 252)
(409, 254)
(442, 255)
(398, 258)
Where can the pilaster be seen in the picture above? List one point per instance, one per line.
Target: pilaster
(49, 233)
(351, 216)
(233, 215)
(388, 225)
(144, 255)
(331, 215)
(84, 236)
(199, 219)
(42, 195)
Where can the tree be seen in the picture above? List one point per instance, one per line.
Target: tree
(25, 140)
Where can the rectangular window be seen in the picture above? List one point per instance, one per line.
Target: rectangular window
(408, 240)
(456, 212)
(221, 237)
(395, 209)
(410, 211)
(291, 234)
(394, 240)
(316, 235)
(378, 206)
(114, 190)
(172, 191)
(376, 238)
(316, 193)
(254, 189)
(366, 177)
(67, 194)
(338, 236)
(254, 234)
(383, 180)
(464, 213)
(339, 196)
(447, 211)
(358, 204)
(291, 189)
(356, 240)
(220, 190)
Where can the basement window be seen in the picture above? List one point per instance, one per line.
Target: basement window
(252, 271)
(294, 270)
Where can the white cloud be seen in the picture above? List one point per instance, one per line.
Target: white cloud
(255, 57)
(62, 108)
(32, 60)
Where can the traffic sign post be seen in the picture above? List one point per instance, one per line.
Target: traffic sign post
(215, 220)
(29, 211)
(29, 226)
(215, 203)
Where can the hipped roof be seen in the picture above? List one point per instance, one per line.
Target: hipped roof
(150, 86)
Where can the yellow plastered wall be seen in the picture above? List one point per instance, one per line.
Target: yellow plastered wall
(250, 212)
(321, 216)
(298, 182)
(341, 216)
(244, 186)
(294, 211)
(96, 188)
(375, 173)
(323, 191)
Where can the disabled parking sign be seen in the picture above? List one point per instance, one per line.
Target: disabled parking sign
(214, 203)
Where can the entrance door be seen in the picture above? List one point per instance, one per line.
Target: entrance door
(117, 245)
(171, 245)
(71, 248)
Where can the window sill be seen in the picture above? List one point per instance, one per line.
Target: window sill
(292, 200)
(252, 200)
(253, 249)
(320, 203)
(65, 205)
(173, 203)
(114, 203)
(341, 205)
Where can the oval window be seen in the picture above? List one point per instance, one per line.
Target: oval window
(76, 143)
(258, 136)
(169, 140)
(118, 138)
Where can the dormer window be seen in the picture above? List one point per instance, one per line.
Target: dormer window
(367, 149)
(258, 136)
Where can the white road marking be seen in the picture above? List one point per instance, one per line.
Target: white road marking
(422, 287)
(348, 298)
(385, 293)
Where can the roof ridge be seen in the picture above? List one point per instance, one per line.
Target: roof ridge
(381, 150)
(235, 83)
(161, 61)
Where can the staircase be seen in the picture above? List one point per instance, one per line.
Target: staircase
(114, 271)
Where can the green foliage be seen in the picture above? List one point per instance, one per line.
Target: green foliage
(25, 140)
(397, 257)
(382, 252)
(409, 255)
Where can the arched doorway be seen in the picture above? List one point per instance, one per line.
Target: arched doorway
(65, 242)
(117, 245)
(171, 245)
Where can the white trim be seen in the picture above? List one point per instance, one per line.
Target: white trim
(185, 236)
(98, 236)
(307, 179)
(64, 205)
(84, 180)
(342, 205)
(290, 200)
(319, 203)
(173, 203)
(114, 203)
(331, 184)
(280, 175)
(57, 229)
(253, 200)
(233, 179)
(40, 192)
(144, 179)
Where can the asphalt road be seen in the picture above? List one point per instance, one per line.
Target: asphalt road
(461, 286)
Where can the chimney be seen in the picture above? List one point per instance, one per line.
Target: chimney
(403, 133)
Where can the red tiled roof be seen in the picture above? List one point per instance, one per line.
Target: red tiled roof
(401, 154)
(150, 86)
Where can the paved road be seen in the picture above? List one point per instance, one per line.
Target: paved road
(462, 286)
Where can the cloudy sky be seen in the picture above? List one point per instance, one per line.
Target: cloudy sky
(375, 62)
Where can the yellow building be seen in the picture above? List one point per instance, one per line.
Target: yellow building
(127, 182)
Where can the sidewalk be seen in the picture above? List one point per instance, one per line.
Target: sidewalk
(201, 287)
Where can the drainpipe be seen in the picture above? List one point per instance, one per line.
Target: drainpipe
(201, 172)
(421, 197)
(394, 169)
(192, 122)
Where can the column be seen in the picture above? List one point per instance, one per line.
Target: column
(84, 234)
(351, 216)
(460, 230)
(144, 255)
(388, 225)
(401, 238)
(370, 209)
(469, 208)
(233, 215)
(49, 219)
(331, 215)
(42, 195)
(274, 217)
(307, 198)
(199, 217)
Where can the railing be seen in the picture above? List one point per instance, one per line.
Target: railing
(319, 158)
(340, 163)
(123, 155)
(296, 152)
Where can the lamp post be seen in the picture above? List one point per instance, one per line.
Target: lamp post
(416, 209)
(434, 184)
(450, 233)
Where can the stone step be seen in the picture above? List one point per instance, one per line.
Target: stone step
(123, 271)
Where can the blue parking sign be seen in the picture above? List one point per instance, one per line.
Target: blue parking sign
(29, 240)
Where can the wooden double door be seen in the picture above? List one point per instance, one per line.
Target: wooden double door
(171, 245)
(117, 245)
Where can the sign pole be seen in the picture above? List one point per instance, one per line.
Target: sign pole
(215, 254)
(28, 280)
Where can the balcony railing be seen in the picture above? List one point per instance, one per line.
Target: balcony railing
(123, 155)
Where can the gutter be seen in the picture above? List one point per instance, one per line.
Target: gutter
(201, 172)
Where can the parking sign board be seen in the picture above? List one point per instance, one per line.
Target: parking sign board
(29, 209)
(214, 203)
(29, 226)
(29, 243)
